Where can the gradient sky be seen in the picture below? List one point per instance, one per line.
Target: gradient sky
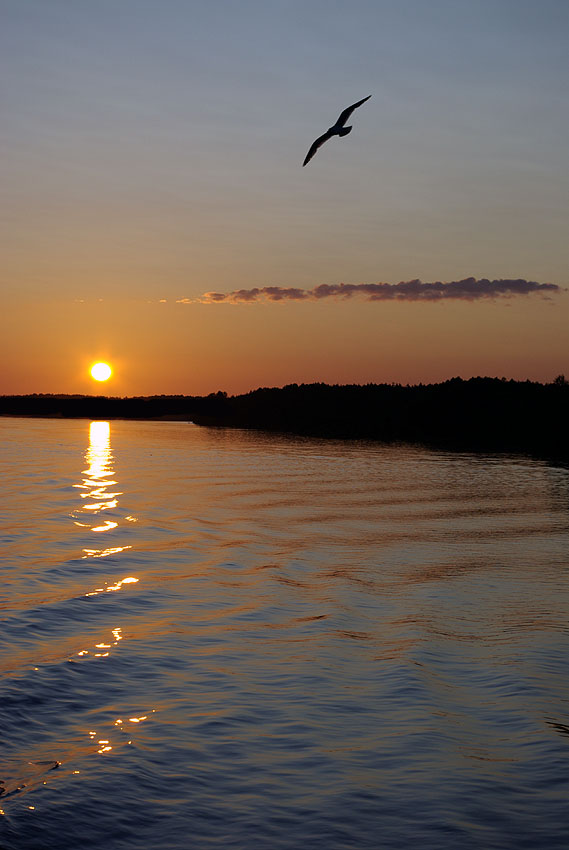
(151, 152)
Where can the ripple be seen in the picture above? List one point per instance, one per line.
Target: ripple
(280, 643)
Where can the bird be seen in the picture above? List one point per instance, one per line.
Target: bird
(337, 130)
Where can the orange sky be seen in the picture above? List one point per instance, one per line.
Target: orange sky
(199, 348)
(153, 152)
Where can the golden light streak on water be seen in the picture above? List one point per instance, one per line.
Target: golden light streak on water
(99, 452)
(106, 527)
(104, 553)
(101, 506)
(113, 587)
(367, 639)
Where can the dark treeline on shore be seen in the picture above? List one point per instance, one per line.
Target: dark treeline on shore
(480, 414)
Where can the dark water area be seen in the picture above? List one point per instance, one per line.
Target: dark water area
(218, 638)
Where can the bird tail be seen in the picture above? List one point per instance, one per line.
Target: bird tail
(345, 130)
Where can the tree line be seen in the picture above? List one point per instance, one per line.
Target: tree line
(479, 414)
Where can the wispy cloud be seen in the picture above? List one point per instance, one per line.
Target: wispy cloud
(468, 289)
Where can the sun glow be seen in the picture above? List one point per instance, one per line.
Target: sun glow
(101, 371)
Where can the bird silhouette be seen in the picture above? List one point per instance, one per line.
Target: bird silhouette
(337, 130)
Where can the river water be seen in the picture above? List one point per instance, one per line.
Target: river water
(227, 639)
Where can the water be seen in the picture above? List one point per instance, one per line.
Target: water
(234, 640)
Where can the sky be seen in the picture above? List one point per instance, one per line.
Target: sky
(156, 215)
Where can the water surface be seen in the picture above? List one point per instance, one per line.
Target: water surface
(229, 639)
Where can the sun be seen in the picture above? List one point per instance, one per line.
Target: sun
(101, 371)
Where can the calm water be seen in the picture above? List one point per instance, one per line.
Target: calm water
(233, 640)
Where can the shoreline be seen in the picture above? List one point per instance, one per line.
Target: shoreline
(480, 415)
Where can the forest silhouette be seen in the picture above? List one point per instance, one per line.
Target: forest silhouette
(479, 414)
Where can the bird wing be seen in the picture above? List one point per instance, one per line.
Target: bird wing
(315, 145)
(347, 112)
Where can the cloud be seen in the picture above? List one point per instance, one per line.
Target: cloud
(468, 289)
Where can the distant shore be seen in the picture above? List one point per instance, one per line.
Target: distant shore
(479, 414)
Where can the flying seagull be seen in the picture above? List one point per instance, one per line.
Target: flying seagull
(337, 130)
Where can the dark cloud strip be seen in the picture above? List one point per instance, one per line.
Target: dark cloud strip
(468, 289)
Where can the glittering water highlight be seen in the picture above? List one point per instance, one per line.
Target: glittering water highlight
(216, 638)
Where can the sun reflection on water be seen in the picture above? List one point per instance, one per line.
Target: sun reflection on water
(109, 587)
(99, 453)
(96, 493)
(99, 474)
(103, 553)
(97, 496)
(117, 637)
(108, 743)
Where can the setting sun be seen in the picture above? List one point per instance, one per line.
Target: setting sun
(101, 371)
